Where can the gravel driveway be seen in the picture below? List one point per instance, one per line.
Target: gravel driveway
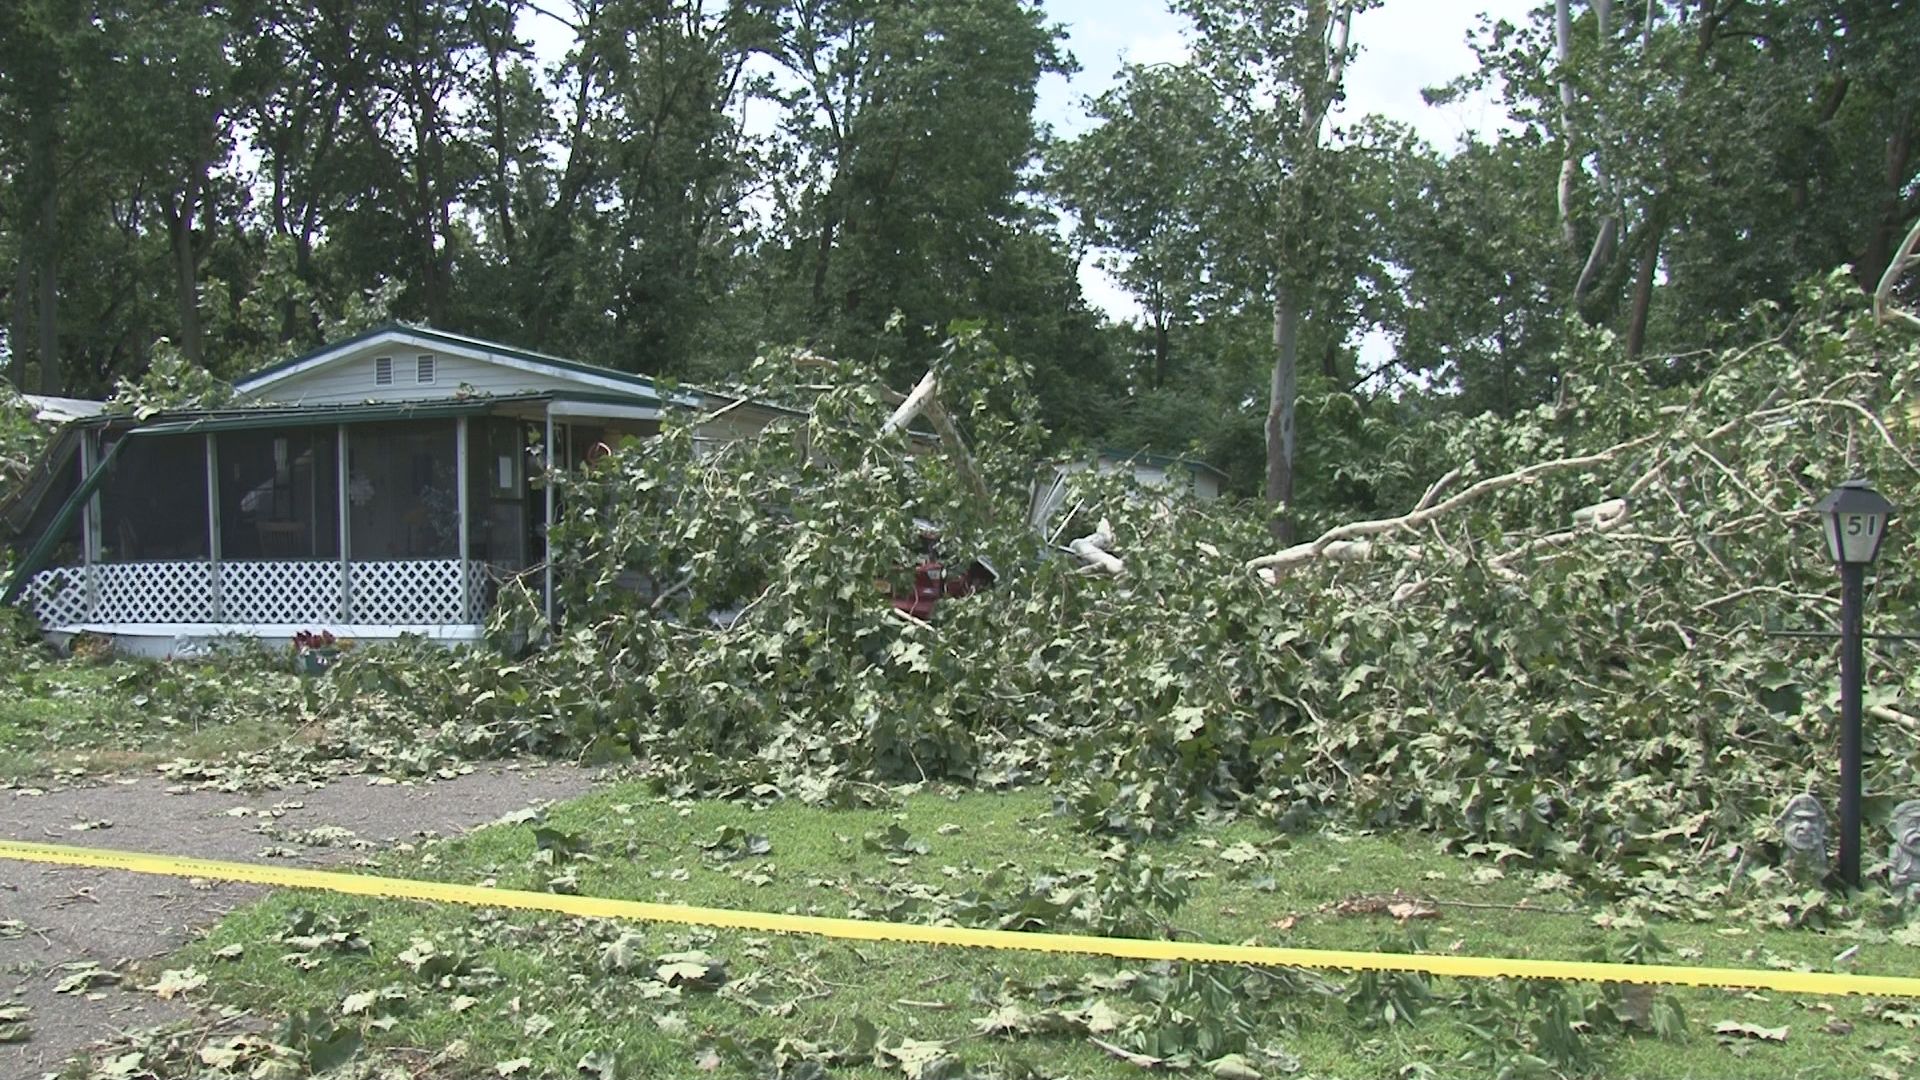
(51, 917)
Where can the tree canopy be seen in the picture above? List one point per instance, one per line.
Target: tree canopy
(676, 187)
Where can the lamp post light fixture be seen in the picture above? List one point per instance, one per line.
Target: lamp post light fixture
(1855, 518)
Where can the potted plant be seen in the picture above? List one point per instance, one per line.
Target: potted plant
(314, 653)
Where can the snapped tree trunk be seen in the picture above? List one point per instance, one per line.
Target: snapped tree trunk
(1280, 401)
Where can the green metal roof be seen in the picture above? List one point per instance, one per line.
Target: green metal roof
(266, 415)
(269, 416)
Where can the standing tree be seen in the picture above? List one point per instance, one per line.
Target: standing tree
(907, 131)
(1252, 178)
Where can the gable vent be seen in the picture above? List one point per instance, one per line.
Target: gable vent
(423, 370)
(383, 371)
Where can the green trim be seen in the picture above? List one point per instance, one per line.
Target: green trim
(36, 557)
(271, 416)
(268, 414)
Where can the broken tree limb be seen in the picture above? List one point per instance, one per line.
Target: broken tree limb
(1094, 550)
(936, 414)
(1434, 489)
(925, 400)
(1602, 515)
(915, 403)
(1298, 555)
(1359, 530)
(1906, 258)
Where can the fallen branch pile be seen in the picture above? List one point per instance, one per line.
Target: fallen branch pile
(1560, 651)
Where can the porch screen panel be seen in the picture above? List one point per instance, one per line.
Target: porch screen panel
(497, 496)
(403, 502)
(153, 501)
(279, 496)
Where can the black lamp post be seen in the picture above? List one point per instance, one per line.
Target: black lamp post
(1855, 517)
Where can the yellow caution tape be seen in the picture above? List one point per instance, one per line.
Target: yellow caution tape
(1459, 967)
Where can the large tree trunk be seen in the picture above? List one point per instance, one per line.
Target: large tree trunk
(1162, 351)
(1643, 284)
(1563, 51)
(21, 316)
(50, 290)
(186, 272)
(1280, 402)
(1890, 223)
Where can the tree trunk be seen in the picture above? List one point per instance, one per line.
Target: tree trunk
(1161, 351)
(822, 254)
(50, 290)
(22, 306)
(1643, 285)
(186, 275)
(1889, 224)
(1596, 264)
(1280, 402)
(1563, 51)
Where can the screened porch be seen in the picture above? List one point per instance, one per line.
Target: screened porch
(368, 521)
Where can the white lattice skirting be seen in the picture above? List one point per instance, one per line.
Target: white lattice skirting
(420, 592)
(279, 592)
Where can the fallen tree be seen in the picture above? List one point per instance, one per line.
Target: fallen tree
(1559, 652)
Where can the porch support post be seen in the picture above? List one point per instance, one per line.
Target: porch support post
(89, 510)
(546, 450)
(462, 428)
(89, 518)
(213, 526)
(342, 481)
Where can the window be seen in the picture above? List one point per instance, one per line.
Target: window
(383, 371)
(423, 370)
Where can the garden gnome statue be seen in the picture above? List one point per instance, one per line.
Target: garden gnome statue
(1803, 826)
(1903, 871)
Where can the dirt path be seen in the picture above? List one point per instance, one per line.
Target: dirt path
(51, 917)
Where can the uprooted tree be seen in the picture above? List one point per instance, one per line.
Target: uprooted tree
(1559, 650)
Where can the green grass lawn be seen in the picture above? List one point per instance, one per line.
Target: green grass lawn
(461, 992)
(94, 716)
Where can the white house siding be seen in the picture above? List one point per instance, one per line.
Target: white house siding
(352, 380)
